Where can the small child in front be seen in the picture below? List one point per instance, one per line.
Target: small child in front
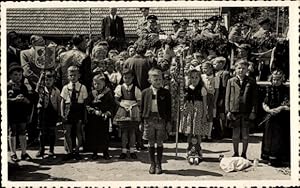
(128, 96)
(194, 155)
(73, 96)
(240, 105)
(156, 116)
(48, 111)
(17, 111)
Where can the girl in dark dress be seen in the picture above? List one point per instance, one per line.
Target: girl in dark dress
(276, 139)
(100, 108)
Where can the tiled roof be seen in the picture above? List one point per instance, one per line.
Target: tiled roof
(76, 20)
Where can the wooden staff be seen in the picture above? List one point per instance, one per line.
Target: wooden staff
(181, 84)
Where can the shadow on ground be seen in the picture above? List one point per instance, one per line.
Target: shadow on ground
(192, 172)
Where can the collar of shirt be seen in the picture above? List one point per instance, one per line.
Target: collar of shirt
(13, 49)
(128, 88)
(240, 79)
(154, 90)
(70, 85)
(113, 17)
(192, 87)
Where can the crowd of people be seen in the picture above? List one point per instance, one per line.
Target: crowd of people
(184, 81)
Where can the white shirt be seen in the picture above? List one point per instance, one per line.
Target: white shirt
(13, 49)
(137, 91)
(211, 83)
(113, 17)
(154, 107)
(66, 92)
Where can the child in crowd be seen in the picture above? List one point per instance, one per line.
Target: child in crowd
(194, 154)
(211, 83)
(73, 96)
(100, 107)
(131, 51)
(128, 95)
(193, 120)
(116, 76)
(112, 54)
(240, 105)
(17, 108)
(156, 116)
(223, 75)
(110, 69)
(48, 111)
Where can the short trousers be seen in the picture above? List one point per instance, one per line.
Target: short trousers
(155, 128)
(14, 128)
(242, 120)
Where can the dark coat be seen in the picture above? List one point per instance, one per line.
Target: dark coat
(13, 57)
(106, 28)
(163, 103)
(241, 98)
(140, 66)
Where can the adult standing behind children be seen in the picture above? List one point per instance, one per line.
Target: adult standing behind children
(31, 71)
(32, 74)
(156, 117)
(75, 57)
(73, 96)
(100, 110)
(140, 65)
(142, 22)
(240, 105)
(113, 30)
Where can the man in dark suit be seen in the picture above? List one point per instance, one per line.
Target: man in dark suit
(13, 52)
(113, 30)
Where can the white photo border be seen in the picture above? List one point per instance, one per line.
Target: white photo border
(294, 92)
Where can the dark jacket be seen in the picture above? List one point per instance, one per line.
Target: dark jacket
(241, 98)
(140, 66)
(13, 57)
(108, 23)
(163, 103)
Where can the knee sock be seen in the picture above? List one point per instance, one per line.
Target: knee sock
(159, 150)
(23, 143)
(152, 154)
(245, 145)
(12, 144)
(52, 139)
(236, 147)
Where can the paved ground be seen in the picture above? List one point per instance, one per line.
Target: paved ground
(174, 168)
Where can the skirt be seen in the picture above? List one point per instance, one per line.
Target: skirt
(193, 120)
(122, 116)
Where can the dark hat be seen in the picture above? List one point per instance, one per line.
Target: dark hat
(265, 21)
(184, 20)
(14, 66)
(195, 21)
(175, 22)
(220, 17)
(152, 17)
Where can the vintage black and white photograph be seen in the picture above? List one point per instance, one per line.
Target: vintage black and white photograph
(147, 92)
